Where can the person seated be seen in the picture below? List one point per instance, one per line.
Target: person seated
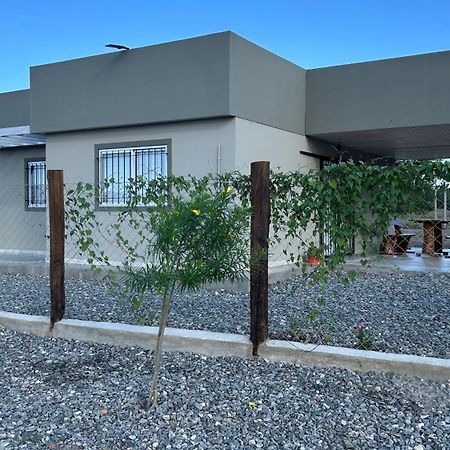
(396, 227)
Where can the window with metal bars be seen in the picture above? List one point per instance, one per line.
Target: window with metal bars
(118, 166)
(36, 184)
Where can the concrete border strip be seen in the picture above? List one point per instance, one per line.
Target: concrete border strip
(224, 344)
(354, 359)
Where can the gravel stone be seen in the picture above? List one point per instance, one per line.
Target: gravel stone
(405, 313)
(63, 394)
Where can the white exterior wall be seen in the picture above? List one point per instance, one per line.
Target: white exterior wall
(257, 142)
(193, 152)
(194, 147)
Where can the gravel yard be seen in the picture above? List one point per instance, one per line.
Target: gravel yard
(60, 394)
(406, 313)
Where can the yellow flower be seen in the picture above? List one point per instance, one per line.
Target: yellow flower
(252, 404)
(229, 190)
(196, 212)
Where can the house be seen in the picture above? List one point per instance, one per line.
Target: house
(22, 171)
(208, 104)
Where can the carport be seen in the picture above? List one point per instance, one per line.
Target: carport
(396, 108)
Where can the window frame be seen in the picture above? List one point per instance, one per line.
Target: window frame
(27, 162)
(127, 145)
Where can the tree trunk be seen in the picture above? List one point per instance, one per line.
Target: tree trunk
(162, 326)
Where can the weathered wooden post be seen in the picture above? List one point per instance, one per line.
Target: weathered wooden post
(56, 219)
(259, 247)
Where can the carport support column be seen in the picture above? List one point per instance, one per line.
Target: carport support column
(56, 220)
(259, 246)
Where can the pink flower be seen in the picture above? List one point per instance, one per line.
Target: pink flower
(361, 326)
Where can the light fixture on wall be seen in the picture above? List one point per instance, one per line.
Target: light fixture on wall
(118, 46)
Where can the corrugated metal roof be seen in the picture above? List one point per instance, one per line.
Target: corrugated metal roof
(19, 137)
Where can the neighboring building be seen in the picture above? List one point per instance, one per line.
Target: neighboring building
(208, 104)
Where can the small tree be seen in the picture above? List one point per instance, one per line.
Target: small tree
(174, 234)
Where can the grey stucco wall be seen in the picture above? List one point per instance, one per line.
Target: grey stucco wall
(20, 229)
(219, 75)
(266, 88)
(400, 92)
(15, 108)
(176, 81)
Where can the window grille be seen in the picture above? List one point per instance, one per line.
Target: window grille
(120, 166)
(36, 188)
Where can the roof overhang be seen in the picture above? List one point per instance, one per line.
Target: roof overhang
(19, 137)
(417, 142)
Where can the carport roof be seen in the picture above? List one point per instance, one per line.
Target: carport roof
(19, 137)
(417, 142)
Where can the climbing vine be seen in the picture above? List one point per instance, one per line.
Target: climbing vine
(348, 201)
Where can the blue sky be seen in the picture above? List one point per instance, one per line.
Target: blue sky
(311, 33)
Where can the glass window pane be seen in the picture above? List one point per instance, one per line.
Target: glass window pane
(151, 163)
(117, 167)
(115, 173)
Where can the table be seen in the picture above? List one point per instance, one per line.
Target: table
(432, 235)
(396, 243)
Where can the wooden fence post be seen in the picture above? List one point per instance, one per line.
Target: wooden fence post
(56, 219)
(259, 269)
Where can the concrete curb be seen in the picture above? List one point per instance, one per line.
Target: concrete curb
(124, 335)
(353, 359)
(393, 269)
(224, 344)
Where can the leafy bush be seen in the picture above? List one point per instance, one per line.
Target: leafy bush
(177, 233)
